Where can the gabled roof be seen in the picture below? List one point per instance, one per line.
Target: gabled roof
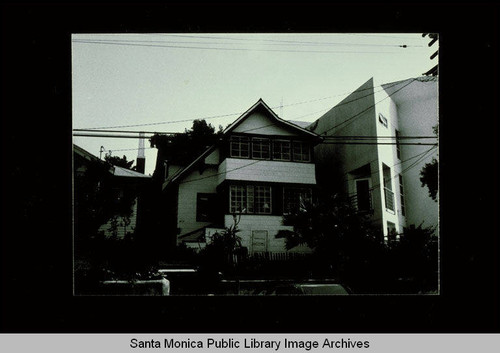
(188, 168)
(124, 172)
(259, 105)
(115, 170)
(84, 153)
(262, 105)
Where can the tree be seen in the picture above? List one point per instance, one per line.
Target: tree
(343, 240)
(98, 197)
(429, 177)
(183, 148)
(120, 162)
(429, 174)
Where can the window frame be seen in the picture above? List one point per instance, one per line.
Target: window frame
(402, 195)
(287, 210)
(302, 144)
(239, 141)
(280, 143)
(210, 216)
(398, 145)
(250, 198)
(261, 141)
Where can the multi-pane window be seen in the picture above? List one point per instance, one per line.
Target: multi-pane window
(240, 146)
(301, 151)
(261, 148)
(238, 197)
(263, 199)
(250, 199)
(295, 199)
(281, 150)
(402, 195)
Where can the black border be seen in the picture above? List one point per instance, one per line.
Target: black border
(36, 261)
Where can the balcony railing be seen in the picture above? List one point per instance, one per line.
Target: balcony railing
(362, 202)
(389, 199)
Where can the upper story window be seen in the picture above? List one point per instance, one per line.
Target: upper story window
(261, 148)
(270, 148)
(281, 150)
(398, 145)
(382, 119)
(301, 151)
(240, 146)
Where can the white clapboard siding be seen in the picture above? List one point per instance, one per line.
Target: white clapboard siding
(255, 223)
(189, 187)
(258, 123)
(266, 171)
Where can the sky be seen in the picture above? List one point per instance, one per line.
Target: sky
(162, 82)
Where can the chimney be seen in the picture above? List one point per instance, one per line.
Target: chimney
(141, 159)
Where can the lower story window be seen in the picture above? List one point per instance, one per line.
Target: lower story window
(295, 199)
(205, 206)
(250, 199)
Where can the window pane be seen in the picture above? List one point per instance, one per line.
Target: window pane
(295, 199)
(260, 148)
(239, 146)
(301, 152)
(262, 199)
(281, 150)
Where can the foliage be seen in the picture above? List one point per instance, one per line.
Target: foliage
(429, 177)
(220, 252)
(98, 198)
(343, 240)
(415, 257)
(429, 173)
(183, 148)
(120, 162)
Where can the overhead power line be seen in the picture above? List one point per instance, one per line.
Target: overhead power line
(240, 113)
(350, 120)
(232, 49)
(237, 41)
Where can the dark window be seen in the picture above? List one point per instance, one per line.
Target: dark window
(402, 195)
(391, 231)
(261, 148)
(363, 195)
(250, 199)
(398, 146)
(238, 199)
(281, 150)
(295, 199)
(262, 199)
(205, 206)
(240, 146)
(382, 119)
(301, 151)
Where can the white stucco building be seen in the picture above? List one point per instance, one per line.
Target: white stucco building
(262, 167)
(376, 142)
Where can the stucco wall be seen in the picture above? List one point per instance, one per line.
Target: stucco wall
(417, 119)
(354, 116)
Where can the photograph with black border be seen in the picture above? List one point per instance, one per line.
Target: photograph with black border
(37, 260)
